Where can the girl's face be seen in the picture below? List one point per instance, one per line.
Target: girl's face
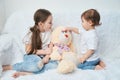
(87, 25)
(45, 26)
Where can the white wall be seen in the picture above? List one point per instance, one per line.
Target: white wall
(57, 5)
(2, 14)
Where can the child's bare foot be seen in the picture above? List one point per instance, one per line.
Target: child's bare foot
(17, 74)
(102, 64)
(6, 67)
(98, 67)
(41, 64)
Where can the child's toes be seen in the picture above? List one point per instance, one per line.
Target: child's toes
(15, 75)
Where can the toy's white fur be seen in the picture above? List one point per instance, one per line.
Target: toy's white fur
(67, 59)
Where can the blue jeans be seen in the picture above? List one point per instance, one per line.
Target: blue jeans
(30, 64)
(52, 64)
(88, 64)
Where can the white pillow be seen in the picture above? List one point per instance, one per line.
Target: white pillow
(0, 65)
(10, 50)
(18, 25)
(18, 49)
(5, 44)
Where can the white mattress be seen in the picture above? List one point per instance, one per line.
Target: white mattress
(111, 72)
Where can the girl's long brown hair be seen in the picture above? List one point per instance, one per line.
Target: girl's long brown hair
(40, 15)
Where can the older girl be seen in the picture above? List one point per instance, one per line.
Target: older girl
(37, 49)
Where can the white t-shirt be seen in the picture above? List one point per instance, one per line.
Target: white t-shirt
(45, 38)
(89, 40)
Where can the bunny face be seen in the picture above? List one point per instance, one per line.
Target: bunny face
(65, 37)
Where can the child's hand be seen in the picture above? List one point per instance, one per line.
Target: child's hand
(82, 60)
(46, 59)
(60, 58)
(48, 51)
(50, 45)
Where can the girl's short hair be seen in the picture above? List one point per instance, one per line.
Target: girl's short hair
(92, 15)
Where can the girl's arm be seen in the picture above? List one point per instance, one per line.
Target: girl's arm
(47, 51)
(39, 52)
(86, 55)
(50, 46)
(46, 58)
(73, 29)
(27, 48)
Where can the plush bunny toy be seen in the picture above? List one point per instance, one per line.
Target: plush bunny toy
(63, 50)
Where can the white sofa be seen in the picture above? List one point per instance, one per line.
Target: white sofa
(17, 25)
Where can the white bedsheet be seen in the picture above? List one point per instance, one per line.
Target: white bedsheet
(109, 48)
(110, 73)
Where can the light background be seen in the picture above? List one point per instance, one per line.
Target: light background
(7, 7)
